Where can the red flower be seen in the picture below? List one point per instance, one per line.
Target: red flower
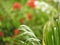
(29, 16)
(1, 34)
(32, 0)
(16, 32)
(1, 18)
(6, 44)
(16, 5)
(22, 20)
(15, 43)
(31, 4)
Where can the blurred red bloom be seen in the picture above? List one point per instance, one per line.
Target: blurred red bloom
(1, 33)
(16, 32)
(6, 44)
(31, 4)
(16, 5)
(29, 16)
(1, 18)
(15, 43)
(22, 20)
(31, 0)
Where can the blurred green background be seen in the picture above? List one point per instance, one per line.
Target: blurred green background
(11, 19)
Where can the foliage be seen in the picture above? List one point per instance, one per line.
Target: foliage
(18, 16)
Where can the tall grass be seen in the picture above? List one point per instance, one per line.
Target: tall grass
(51, 31)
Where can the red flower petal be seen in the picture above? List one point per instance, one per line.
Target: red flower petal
(29, 16)
(31, 4)
(1, 18)
(16, 32)
(32, 0)
(22, 20)
(1, 33)
(15, 43)
(6, 44)
(16, 5)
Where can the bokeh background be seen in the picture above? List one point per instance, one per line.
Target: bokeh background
(39, 15)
